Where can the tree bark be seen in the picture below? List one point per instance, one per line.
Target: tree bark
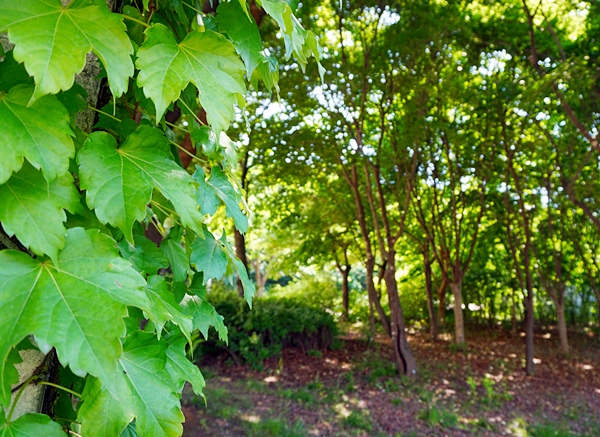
(345, 293)
(405, 360)
(459, 324)
(562, 324)
(240, 252)
(529, 320)
(442, 298)
(433, 324)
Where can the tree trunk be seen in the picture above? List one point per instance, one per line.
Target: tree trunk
(345, 292)
(513, 316)
(405, 361)
(442, 305)
(562, 324)
(240, 252)
(374, 299)
(529, 318)
(433, 325)
(459, 324)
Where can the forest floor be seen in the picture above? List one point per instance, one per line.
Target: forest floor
(352, 391)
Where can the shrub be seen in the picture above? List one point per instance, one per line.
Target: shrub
(272, 324)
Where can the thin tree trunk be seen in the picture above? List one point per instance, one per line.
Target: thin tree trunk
(240, 252)
(345, 293)
(562, 324)
(433, 325)
(513, 315)
(442, 305)
(374, 299)
(529, 320)
(459, 324)
(405, 360)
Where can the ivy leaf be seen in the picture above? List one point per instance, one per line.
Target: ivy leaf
(181, 369)
(146, 392)
(53, 41)
(164, 307)
(30, 425)
(11, 376)
(119, 181)
(299, 41)
(207, 59)
(233, 20)
(78, 308)
(33, 209)
(144, 255)
(176, 254)
(219, 187)
(41, 133)
(240, 269)
(205, 315)
(209, 257)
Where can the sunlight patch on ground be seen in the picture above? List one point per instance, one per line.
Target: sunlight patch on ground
(251, 418)
(270, 379)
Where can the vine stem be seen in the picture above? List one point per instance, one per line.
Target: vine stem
(100, 111)
(60, 387)
(127, 17)
(18, 396)
(192, 8)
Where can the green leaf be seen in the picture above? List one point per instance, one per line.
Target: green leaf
(78, 308)
(205, 316)
(33, 209)
(119, 181)
(175, 252)
(181, 369)
(30, 425)
(145, 256)
(233, 20)
(209, 257)
(240, 269)
(53, 41)
(12, 73)
(299, 41)
(164, 307)
(218, 186)
(11, 376)
(146, 392)
(207, 59)
(40, 133)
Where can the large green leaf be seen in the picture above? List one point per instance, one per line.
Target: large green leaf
(53, 41)
(299, 41)
(209, 257)
(181, 369)
(145, 256)
(40, 133)
(238, 266)
(30, 425)
(146, 392)
(207, 59)
(11, 376)
(33, 209)
(243, 31)
(76, 306)
(205, 315)
(119, 181)
(217, 187)
(179, 260)
(164, 307)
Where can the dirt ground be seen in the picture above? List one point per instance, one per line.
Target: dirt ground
(352, 391)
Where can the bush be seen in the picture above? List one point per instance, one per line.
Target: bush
(272, 324)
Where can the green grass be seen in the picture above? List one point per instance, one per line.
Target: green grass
(275, 428)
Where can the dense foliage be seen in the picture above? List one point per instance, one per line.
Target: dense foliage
(106, 240)
(271, 325)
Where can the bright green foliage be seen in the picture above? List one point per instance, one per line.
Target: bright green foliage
(113, 231)
(234, 21)
(75, 306)
(40, 133)
(119, 181)
(209, 257)
(33, 209)
(206, 59)
(30, 425)
(53, 40)
(146, 392)
(216, 188)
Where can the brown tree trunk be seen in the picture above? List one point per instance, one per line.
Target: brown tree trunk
(529, 318)
(459, 324)
(345, 293)
(374, 299)
(513, 316)
(442, 305)
(562, 324)
(240, 252)
(405, 360)
(433, 325)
